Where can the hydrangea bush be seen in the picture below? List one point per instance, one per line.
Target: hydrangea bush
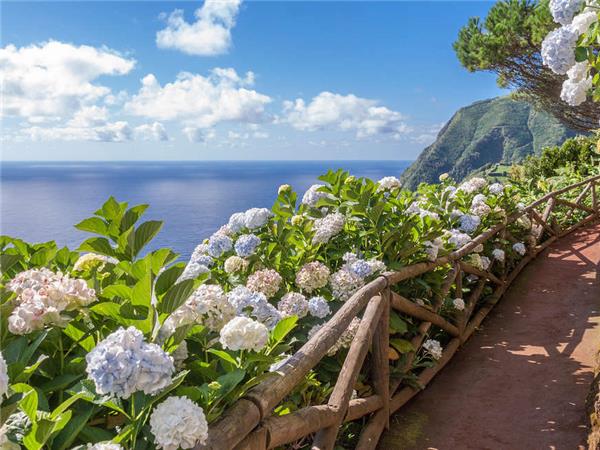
(572, 48)
(116, 347)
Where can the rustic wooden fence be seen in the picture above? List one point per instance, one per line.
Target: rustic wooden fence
(249, 423)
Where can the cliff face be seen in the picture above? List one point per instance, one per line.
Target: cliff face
(498, 130)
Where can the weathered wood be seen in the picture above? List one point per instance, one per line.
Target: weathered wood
(594, 197)
(291, 427)
(541, 222)
(269, 393)
(360, 407)
(574, 205)
(235, 424)
(468, 268)
(257, 440)
(380, 363)
(579, 224)
(369, 436)
(340, 396)
(412, 309)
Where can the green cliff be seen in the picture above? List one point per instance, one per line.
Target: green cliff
(500, 130)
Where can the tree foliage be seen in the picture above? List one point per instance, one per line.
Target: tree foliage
(507, 42)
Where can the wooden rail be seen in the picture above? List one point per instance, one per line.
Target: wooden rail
(249, 423)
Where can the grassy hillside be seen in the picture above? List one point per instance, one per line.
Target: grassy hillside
(488, 132)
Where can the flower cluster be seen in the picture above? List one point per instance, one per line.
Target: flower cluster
(178, 423)
(293, 304)
(208, 306)
(90, 261)
(267, 281)
(459, 304)
(558, 48)
(246, 245)
(388, 183)
(253, 304)
(243, 333)
(434, 348)
(520, 248)
(42, 297)
(327, 227)
(312, 276)
(124, 363)
(3, 377)
(252, 219)
(314, 194)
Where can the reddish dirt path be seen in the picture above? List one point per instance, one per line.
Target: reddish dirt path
(520, 383)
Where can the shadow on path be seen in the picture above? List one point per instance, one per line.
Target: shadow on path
(522, 379)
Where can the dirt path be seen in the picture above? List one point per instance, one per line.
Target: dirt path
(520, 383)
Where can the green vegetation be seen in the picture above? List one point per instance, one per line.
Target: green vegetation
(478, 136)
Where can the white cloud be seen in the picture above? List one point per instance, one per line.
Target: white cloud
(195, 134)
(344, 112)
(200, 102)
(54, 80)
(119, 131)
(209, 35)
(152, 132)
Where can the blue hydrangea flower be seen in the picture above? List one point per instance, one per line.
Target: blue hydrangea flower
(469, 223)
(219, 244)
(318, 307)
(246, 245)
(361, 268)
(237, 221)
(203, 260)
(123, 364)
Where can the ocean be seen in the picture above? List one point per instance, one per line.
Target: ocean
(42, 201)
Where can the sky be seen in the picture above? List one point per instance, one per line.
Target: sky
(231, 79)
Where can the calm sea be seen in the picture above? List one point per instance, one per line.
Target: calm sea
(42, 201)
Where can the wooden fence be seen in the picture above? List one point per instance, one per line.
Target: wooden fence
(249, 423)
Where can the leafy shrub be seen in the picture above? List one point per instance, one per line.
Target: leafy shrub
(122, 348)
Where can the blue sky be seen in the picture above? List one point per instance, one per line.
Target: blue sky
(249, 80)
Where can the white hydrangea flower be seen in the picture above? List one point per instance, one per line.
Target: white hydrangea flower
(496, 188)
(485, 262)
(563, 10)
(582, 22)
(498, 254)
(237, 222)
(267, 281)
(432, 248)
(313, 195)
(234, 264)
(192, 270)
(520, 248)
(243, 333)
(473, 185)
(327, 227)
(91, 260)
(107, 445)
(344, 283)
(458, 239)
(434, 348)
(575, 92)
(208, 306)
(178, 423)
(256, 218)
(312, 276)
(388, 183)
(459, 304)
(3, 377)
(318, 307)
(123, 364)
(558, 49)
(283, 189)
(293, 304)
(180, 355)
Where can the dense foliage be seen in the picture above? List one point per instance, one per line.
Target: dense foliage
(508, 42)
(115, 347)
(499, 130)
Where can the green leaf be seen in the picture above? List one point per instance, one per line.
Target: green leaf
(7, 261)
(65, 405)
(281, 330)
(176, 296)
(66, 437)
(168, 278)
(29, 401)
(397, 325)
(141, 294)
(93, 225)
(402, 345)
(97, 245)
(117, 290)
(581, 54)
(229, 381)
(111, 209)
(131, 216)
(144, 234)
(224, 356)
